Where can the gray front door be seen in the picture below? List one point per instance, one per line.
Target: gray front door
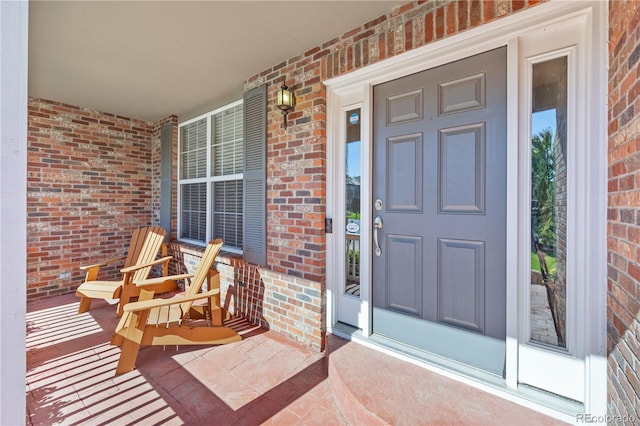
(440, 178)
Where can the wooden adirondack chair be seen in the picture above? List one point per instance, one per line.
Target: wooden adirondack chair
(143, 250)
(172, 321)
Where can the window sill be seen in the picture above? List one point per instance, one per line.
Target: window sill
(225, 257)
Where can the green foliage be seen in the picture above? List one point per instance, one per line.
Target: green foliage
(543, 185)
(535, 263)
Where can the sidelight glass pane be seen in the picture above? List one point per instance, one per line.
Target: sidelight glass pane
(352, 204)
(549, 203)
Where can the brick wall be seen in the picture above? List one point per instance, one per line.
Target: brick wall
(623, 301)
(88, 186)
(558, 289)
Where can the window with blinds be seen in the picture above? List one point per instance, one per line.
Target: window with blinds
(226, 163)
(211, 173)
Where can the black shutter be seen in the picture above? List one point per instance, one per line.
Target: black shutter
(254, 244)
(166, 154)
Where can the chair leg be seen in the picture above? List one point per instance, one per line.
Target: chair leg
(215, 311)
(116, 340)
(127, 361)
(132, 340)
(85, 305)
(214, 306)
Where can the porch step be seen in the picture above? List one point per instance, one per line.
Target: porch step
(373, 388)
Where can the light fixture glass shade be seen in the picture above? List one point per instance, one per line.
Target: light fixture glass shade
(286, 100)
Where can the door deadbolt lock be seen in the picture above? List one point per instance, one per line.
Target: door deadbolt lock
(378, 204)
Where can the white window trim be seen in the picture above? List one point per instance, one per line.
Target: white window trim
(208, 179)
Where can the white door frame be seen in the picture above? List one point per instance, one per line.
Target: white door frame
(356, 87)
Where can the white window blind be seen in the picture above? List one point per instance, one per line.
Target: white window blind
(227, 142)
(193, 152)
(194, 211)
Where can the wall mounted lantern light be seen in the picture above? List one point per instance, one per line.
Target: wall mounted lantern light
(286, 101)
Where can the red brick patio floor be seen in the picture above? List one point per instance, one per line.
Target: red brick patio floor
(264, 379)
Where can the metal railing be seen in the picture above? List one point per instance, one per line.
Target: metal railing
(352, 261)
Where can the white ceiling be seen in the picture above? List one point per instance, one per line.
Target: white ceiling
(149, 59)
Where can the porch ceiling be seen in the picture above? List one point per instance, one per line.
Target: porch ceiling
(150, 59)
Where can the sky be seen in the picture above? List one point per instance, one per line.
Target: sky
(543, 119)
(353, 158)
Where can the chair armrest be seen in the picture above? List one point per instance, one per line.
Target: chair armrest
(158, 303)
(136, 267)
(161, 280)
(103, 263)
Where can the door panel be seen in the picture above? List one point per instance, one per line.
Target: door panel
(404, 107)
(461, 95)
(405, 181)
(439, 168)
(461, 284)
(461, 169)
(404, 268)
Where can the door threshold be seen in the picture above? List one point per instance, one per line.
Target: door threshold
(544, 402)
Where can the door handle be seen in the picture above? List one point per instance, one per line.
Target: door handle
(377, 224)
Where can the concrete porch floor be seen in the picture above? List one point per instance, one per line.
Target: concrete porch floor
(264, 379)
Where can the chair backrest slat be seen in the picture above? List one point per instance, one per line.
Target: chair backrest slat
(208, 257)
(148, 245)
(135, 245)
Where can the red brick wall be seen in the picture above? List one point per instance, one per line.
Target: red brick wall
(88, 186)
(623, 301)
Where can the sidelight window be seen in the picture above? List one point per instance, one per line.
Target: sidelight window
(352, 203)
(549, 203)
